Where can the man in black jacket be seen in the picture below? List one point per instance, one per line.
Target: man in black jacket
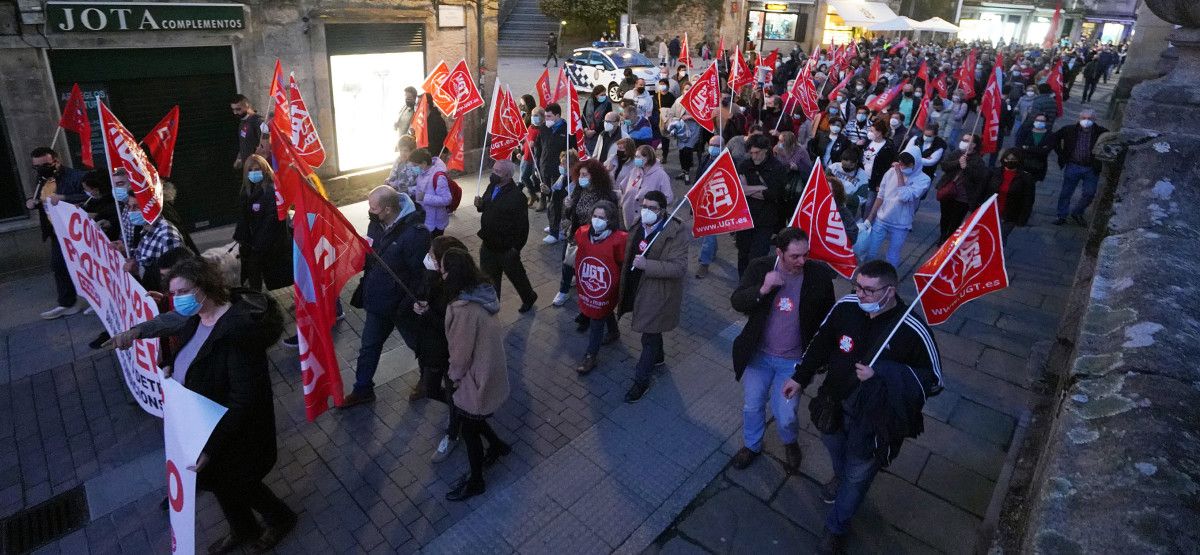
(398, 236)
(843, 348)
(56, 183)
(1073, 144)
(785, 297)
(764, 181)
(504, 229)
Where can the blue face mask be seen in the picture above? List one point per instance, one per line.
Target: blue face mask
(584, 181)
(714, 150)
(414, 171)
(536, 120)
(136, 218)
(601, 98)
(186, 304)
(120, 193)
(255, 176)
(561, 170)
(869, 308)
(639, 162)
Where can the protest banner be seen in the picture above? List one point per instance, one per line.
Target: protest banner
(188, 419)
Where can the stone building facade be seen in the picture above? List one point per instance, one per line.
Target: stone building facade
(350, 58)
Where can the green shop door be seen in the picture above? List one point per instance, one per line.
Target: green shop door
(140, 85)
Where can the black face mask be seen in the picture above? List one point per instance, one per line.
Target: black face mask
(45, 170)
(410, 103)
(622, 157)
(641, 90)
(373, 218)
(1011, 164)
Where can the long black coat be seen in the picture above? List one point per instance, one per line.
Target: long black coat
(816, 298)
(503, 220)
(231, 369)
(1018, 203)
(263, 236)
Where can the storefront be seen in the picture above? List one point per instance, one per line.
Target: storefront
(351, 60)
(1112, 30)
(784, 25)
(844, 20)
(997, 22)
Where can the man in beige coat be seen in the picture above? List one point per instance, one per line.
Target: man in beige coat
(656, 258)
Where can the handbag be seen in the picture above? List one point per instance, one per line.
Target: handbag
(949, 190)
(569, 255)
(826, 413)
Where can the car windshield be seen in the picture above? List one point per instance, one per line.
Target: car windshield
(627, 57)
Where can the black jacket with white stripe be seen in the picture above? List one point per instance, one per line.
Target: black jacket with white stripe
(848, 336)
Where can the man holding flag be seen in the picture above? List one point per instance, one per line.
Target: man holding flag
(56, 183)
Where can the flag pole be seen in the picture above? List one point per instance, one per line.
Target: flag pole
(961, 237)
(483, 150)
(120, 210)
(669, 218)
(58, 131)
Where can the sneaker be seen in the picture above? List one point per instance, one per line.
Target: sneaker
(1060, 221)
(546, 230)
(588, 364)
(528, 305)
(701, 271)
(829, 490)
(636, 391)
(60, 311)
(550, 239)
(743, 458)
(292, 342)
(445, 446)
(793, 457)
(560, 299)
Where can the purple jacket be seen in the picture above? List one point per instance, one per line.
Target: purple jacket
(434, 197)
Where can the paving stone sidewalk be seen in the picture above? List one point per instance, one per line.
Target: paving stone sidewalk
(588, 472)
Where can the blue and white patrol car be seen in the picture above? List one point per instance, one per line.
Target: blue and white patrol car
(588, 67)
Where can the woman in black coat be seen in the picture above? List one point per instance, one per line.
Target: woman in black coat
(223, 357)
(435, 348)
(264, 241)
(1016, 190)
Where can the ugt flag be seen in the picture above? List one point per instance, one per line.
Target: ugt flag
(685, 55)
(454, 145)
(433, 85)
(817, 214)
(702, 100)
(543, 89)
(460, 87)
(123, 151)
(160, 141)
(420, 122)
(304, 133)
(561, 84)
(74, 118)
(718, 202)
(740, 75)
(281, 113)
(575, 121)
(969, 265)
(989, 109)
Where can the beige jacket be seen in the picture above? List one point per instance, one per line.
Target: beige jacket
(477, 362)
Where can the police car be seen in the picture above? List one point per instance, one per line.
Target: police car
(588, 67)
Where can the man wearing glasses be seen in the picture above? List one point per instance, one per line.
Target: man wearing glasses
(865, 412)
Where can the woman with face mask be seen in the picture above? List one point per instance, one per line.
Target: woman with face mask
(648, 175)
(854, 181)
(878, 154)
(264, 242)
(598, 263)
(961, 187)
(1035, 145)
(593, 184)
(1014, 190)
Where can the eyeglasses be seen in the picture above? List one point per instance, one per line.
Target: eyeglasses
(859, 288)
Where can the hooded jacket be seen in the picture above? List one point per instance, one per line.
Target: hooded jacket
(478, 365)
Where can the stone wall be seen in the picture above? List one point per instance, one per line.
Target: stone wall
(701, 20)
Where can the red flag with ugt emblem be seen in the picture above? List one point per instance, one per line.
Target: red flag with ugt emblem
(873, 73)
(841, 86)
(940, 87)
(420, 122)
(806, 94)
(561, 85)
(969, 265)
(768, 65)
(75, 118)
(160, 141)
(989, 110)
(123, 151)
(460, 87)
(282, 114)
(923, 73)
(304, 132)
(740, 75)
(543, 89)
(721, 48)
(328, 252)
(884, 100)
(718, 202)
(966, 76)
(1055, 81)
(454, 145)
(818, 215)
(575, 121)
(506, 128)
(685, 55)
(922, 118)
(701, 101)
(433, 86)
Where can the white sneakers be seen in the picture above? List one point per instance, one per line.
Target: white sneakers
(550, 239)
(560, 299)
(60, 311)
(445, 446)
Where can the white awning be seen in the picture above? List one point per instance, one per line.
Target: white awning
(937, 25)
(857, 13)
(896, 24)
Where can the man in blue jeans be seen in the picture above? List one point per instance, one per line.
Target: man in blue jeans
(708, 243)
(1073, 144)
(892, 390)
(785, 297)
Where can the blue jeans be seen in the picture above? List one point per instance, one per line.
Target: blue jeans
(1072, 175)
(855, 475)
(708, 249)
(652, 353)
(596, 332)
(763, 380)
(376, 329)
(895, 236)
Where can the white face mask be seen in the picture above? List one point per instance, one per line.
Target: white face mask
(1086, 123)
(599, 224)
(895, 123)
(609, 126)
(649, 217)
(430, 263)
(964, 145)
(835, 129)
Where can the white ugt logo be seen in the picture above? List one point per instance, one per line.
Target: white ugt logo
(718, 197)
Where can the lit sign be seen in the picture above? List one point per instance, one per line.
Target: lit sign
(775, 7)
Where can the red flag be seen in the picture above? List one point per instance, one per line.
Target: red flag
(969, 265)
(421, 121)
(966, 76)
(331, 252)
(454, 145)
(841, 86)
(575, 121)
(160, 141)
(899, 46)
(989, 110)
(717, 200)
(506, 117)
(288, 161)
(702, 100)
(281, 114)
(561, 85)
(123, 151)
(721, 48)
(1052, 32)
(433, 85)
(939, 86)
(1055, 80)
(922, 116)
(806, 94)
(882, 101)
(462, 89)
(769, 64)
(923, 73)
(304, 133)
(873, 73)
(75, 118)
(543, 89)
(740, 75)
(817, 214)
(685, 57)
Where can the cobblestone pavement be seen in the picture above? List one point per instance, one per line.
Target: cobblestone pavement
(588, 473)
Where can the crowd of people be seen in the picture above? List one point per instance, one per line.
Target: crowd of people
(610, 209)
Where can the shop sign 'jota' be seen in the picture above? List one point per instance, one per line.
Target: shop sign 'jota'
(71, 17)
